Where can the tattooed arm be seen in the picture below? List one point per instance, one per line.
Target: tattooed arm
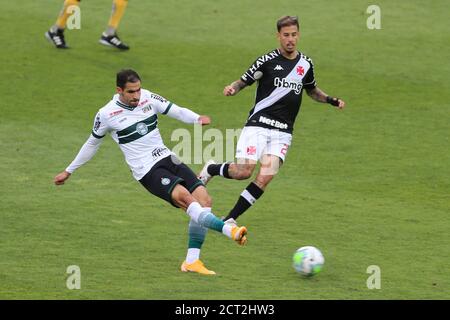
(234, 88)
(317, 94)
(320, 96)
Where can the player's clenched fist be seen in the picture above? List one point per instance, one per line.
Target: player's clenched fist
(61, 178)
(204, 120)
(229, 91)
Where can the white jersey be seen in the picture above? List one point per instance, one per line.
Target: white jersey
(135, 130)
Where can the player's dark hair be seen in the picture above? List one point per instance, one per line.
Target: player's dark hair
(126, 75)
(287, 21)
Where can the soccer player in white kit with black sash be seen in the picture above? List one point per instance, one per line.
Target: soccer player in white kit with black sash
(282, 75)
(131, 118)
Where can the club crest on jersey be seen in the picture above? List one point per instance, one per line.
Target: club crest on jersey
(165, 181)
(300, 70)
(251, 150)
(292, 84)
(146, 109)
(141, 128)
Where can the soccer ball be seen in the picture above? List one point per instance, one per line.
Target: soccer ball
(308, 260)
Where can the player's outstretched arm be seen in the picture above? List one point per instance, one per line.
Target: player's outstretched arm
(320, 96)
(234, 88)
(186, 115)
(87, 151)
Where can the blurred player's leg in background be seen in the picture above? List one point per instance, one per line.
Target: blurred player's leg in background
(241, 170)
(56, 32)
(109, 36)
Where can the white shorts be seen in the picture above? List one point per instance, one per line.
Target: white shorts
(256, 141)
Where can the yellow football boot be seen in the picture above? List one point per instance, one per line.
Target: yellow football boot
(196, 266)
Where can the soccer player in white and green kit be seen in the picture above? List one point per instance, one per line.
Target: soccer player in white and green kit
(131, 118)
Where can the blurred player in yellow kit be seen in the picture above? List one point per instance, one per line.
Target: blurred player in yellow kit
(109, 36)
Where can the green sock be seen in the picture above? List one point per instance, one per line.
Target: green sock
(208, 220)
(197, 235)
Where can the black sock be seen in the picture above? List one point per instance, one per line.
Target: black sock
(245, 201)
(220, 169)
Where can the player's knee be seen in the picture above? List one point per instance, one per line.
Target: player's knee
(244, 171)
(182, 197)
(207, 201)
(204, 199)
(202, 196)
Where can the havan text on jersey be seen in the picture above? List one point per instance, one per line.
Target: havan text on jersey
(280, 86)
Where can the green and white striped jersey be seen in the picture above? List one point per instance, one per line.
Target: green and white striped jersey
(135, 130)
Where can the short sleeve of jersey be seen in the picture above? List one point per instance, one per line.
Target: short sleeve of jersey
(160, 104)
(257, 69)
(249, 76)
(309, 82)
(100, 128)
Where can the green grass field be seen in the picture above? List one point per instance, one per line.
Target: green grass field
(368, 186)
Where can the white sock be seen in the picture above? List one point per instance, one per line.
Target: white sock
(226, 230)
(194, 210)
(110, 31)
(54, 28)
(192, 255)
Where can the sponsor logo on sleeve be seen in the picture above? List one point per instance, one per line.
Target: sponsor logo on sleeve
(158, 97)
(97, 123)
(263, 59)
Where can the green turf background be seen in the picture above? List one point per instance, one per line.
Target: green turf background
(368, 186)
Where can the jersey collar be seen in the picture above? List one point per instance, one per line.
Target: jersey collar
(123, 105)
(294, 59)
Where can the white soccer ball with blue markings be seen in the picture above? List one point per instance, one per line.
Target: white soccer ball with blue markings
(308, 261)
